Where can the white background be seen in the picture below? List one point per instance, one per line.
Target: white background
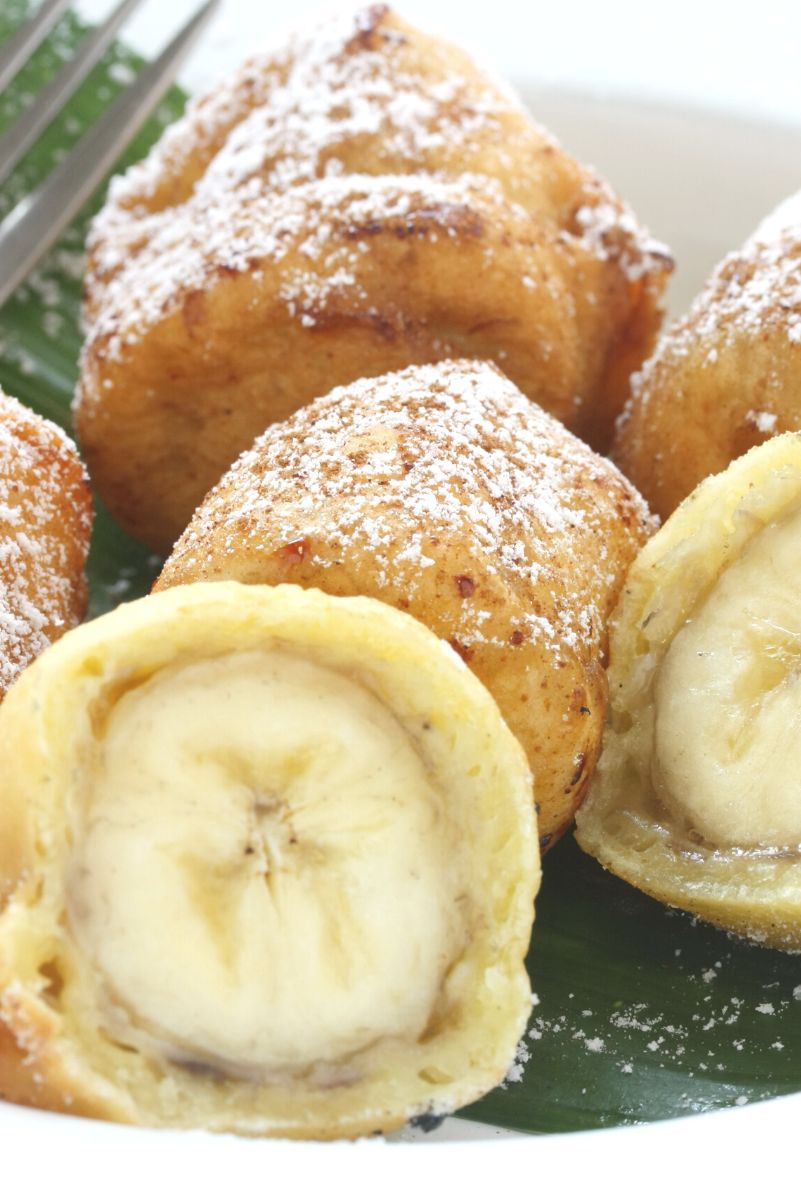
(744, 55)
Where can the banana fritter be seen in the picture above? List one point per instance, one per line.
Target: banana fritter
(727, 376)
(359, 200)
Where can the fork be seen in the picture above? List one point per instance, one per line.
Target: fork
(34, 224)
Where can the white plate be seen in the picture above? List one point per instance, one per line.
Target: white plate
(701, 181)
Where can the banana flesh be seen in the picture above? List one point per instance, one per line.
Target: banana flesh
(299, 845)
(728, 702)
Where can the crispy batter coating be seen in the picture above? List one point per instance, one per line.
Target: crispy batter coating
(727, 376)
(442, 490)
(360, 200)
(45, 523)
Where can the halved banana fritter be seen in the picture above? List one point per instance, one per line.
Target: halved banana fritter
(696, 799)
(725, 377)
(268, 861)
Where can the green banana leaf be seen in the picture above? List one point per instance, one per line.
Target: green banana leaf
(643, 1013)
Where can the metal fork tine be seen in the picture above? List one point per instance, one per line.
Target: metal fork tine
(20, 46)
(32, 227)
(22, 135)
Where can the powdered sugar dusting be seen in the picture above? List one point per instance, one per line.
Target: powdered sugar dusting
(614, 233)
(314, 227)
(763, 421)
(463, 456)
(517, 1067)
(701, 1030)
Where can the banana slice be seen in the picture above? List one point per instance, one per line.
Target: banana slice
(269, 863)
(697, 797)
